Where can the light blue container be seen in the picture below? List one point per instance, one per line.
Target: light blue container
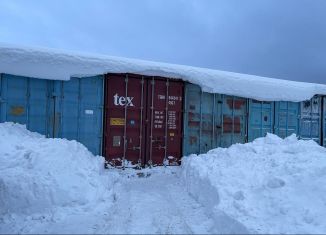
(287, 118)
(212, 120)
(261, 119)
(311, 119)
(66, 109)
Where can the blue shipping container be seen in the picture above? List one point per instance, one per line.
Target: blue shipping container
(287, 118)
(66, 109)
(80, 111)
(26, 101)
(261, 119)
(310, 119)
(212, 120)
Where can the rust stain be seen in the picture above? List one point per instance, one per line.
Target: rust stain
(227, 124)
(193, 140)
(17, 110)
(238, 103)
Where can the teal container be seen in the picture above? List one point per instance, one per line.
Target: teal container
(261, 119)
(212, 120)
(62, 109)
(287, 118)
(311, 119)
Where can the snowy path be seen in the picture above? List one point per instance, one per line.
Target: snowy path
(155, 203)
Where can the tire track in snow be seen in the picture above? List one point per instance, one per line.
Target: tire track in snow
(156, 204)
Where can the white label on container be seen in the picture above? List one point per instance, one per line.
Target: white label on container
(89, 111)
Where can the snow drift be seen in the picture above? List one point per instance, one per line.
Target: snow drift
(38, 173)
(271, 185)
(62, 65)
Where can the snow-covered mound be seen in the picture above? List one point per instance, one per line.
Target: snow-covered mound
(62, 65)
(271, 185)
(37, 173)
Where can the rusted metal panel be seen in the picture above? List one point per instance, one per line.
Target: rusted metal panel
(232, 119)
(212, 120)
(311, 119)
(141, 125)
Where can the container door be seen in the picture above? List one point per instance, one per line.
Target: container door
(231, 120)
(286, 118)
(311, 119)
(192, 120)
(125, 106)
(164, 118)
(261, 116)
(310, 123)
(78, 111)
(26, 101)
(14, 99)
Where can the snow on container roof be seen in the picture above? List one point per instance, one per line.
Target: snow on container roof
(61, 65)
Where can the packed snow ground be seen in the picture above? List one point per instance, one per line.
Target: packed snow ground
(57, 186)
(268, 186)
(62, 65)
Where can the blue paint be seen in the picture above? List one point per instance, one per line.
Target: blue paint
(61, 109)
(287, 118)
(205, 117)
(310, 122)
(81, 110)
(261, 119)
(26, 101)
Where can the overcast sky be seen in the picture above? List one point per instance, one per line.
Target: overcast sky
(276, 38)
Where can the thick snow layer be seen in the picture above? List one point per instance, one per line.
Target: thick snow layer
(268, 186)
(39, 174)
(61, 65)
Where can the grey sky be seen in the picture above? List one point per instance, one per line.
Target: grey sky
(276, 38)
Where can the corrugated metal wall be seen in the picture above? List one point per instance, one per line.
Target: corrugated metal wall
(143, 120)
(66, 109)
(80, 111)
(74, 110)
(287, 118)
(26, 101)
(212, 120)
(261, 119)
(310, 122)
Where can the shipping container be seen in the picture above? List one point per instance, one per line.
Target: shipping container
(60, 109)
(287, 118)
(26, 101)
(261, 119)
(311, 119)
(79, 111)
(142, 125)
(212, 120)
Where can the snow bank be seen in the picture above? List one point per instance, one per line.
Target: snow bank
(61, 65)
(37, 173)
(268, 186)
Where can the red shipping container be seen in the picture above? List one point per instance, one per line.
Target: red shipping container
(141, 125)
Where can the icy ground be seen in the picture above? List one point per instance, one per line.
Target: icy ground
(152, 201)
